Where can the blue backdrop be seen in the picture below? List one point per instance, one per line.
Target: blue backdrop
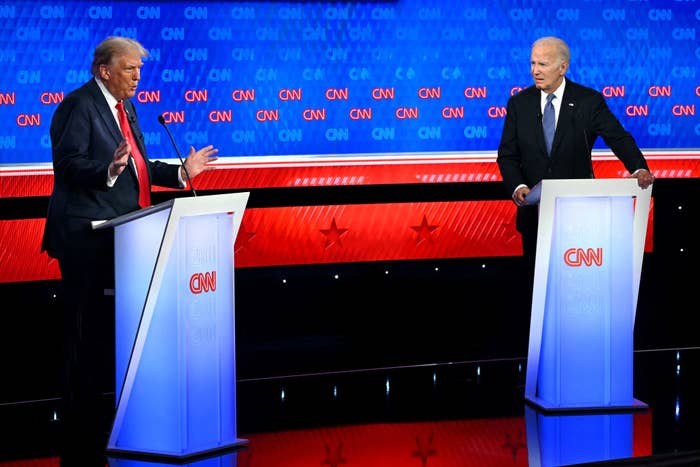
(315, 78)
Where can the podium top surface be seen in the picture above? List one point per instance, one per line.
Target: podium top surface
(586, 187)
(190, 205)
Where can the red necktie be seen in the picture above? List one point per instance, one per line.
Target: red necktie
(141, 172)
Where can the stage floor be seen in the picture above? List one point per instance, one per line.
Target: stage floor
(456, 414)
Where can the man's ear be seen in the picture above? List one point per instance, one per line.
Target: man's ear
(104, 72)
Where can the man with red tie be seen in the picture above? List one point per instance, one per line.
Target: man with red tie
(101, 171)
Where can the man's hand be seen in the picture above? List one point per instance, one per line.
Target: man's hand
(120, 159)
(197, 161)
(644, 178)
(519, 196)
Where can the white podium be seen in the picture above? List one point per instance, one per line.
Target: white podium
(590, 247)
(175, 328)
(555, 439)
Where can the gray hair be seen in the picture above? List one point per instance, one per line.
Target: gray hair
(112, 47)
(562, 49)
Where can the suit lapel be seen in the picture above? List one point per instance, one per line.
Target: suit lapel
(565, 122)
(104, 111)
(107, 117)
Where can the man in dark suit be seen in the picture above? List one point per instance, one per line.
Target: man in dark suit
(580, 116)
(96, 177)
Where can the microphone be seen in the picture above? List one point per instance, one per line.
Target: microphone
(161, 120)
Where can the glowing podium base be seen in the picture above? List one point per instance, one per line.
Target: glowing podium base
(175, 328)
(555, 439)
(590, 247)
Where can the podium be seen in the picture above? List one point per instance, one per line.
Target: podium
(555, 439)
(175, 328)
(590, 247)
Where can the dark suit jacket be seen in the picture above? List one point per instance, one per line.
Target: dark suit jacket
(583, 117)
(84, 136)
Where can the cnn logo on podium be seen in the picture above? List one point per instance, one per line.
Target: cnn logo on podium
(577, 257)
(203, 282)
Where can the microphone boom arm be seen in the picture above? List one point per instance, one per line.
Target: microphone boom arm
(161, 120)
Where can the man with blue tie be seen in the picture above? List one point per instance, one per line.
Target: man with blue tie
(549, 132)
(101, 171)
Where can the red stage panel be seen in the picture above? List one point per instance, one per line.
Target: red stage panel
(286, 236)
(20, 242)
(331, 234)
(376, 232)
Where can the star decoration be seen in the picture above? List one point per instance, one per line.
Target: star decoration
(243, 239)
(334, 459)
(333, 235)
(424, 450)
(514, 445)
(424, 231)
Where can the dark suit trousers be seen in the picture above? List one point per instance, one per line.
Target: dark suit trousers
(526, 224)
(87, 270)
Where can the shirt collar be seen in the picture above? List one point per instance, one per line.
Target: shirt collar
(111, 101)
(558, 93)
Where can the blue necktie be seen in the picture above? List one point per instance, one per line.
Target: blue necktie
(548, 122)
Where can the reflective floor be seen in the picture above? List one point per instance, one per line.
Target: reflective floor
(458, 414)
